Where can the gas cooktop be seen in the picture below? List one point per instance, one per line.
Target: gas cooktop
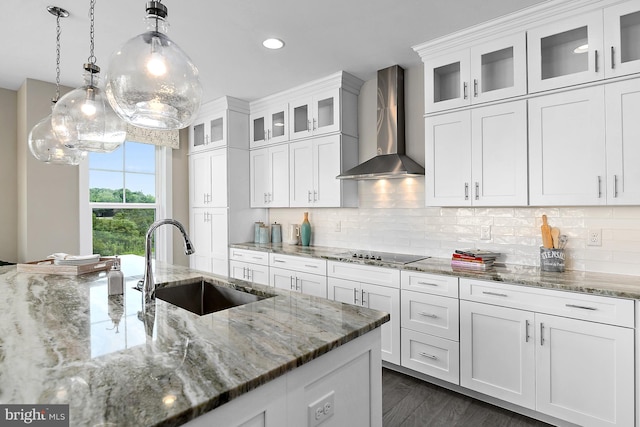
(387, 257)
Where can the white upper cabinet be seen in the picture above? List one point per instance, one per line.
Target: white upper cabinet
(586, 47)
(623, 150)
(316, 114)
(567, 161)
(621, 35)
(313, 167)
(486, 72)
(477, 157)
(209, 132)
(208, 176)
(566, 52)
(269, 172)
(270, 126)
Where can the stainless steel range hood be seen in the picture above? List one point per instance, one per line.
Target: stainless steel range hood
(391, 161)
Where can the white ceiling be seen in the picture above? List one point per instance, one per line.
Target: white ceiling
(224, 37)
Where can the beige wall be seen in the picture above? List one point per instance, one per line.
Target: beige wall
(8, 176)
(39, 209)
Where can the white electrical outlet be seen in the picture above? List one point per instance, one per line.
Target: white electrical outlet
(338, 227)
(485, 232)
(321, 409)
(594, 237)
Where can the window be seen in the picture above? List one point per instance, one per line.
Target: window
(122, 193)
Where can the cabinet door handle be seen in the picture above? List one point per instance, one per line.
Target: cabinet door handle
(464, 90)
(477, 190)
(430, 356)
(582, 307)
(270, 197)
(364, 303)
(475, 88)
(596, 59)
(541, 333)
(425, 314)
(269, 133)
(265, 198)
(309, 196)
(249, 274)
(314, 124)
(526, 331)
(315, 196)
(428, 284)
(291, 282)
(204, 198)
(599, 190)
(308, 125)
(613, 60)
(495, 294)
(615, 185)
(206, 140)
(466, 191)
(265, 135)
(355, 296)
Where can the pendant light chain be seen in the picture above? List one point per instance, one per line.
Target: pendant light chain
(58, 32)
(92, 57)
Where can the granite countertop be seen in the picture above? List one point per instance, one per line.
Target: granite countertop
(63, 340)
(615, 285)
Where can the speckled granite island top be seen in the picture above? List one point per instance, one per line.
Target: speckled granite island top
(620, 286)
(64, 340)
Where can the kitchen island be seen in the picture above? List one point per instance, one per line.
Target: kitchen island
(63, 340)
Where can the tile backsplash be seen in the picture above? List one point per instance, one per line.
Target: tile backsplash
(392, 217)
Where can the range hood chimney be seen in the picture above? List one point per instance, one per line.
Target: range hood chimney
(390, 161)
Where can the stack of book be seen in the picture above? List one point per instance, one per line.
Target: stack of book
(475, 259)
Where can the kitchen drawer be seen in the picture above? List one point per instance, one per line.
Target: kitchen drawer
(389, 277)
(244, 255)
(299, 263)
(306, 283)
(255, 273)
(431, 355)
(429, 283)
(595, 308)
(430, 314)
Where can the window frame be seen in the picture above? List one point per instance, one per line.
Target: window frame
(163, 205)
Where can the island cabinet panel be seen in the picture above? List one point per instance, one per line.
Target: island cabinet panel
(348, 379)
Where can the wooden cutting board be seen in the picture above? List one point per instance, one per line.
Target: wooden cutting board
(547, 240)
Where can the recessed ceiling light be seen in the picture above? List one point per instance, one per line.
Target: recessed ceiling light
(581, 49)
(273, 43)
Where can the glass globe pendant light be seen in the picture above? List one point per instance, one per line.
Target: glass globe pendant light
(83, 118)
(151, 82)
(43, 142)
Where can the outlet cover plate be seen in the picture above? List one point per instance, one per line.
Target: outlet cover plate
(594, 237)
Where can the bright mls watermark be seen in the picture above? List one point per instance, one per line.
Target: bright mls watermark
(34, 415)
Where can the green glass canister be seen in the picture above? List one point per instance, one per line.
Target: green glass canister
(305, 231)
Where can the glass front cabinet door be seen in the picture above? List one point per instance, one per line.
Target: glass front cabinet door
(315, 115)
(622, 39)
(269, 126)
(208, 133)
(485, 72)
(566, 52)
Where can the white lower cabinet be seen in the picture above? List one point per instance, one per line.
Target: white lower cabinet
(430, 325)
(576, 370)
(252, 266)
(306, 283)
(210, 239)
(376, 296)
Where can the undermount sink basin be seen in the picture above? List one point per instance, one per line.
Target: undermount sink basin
(201, 296)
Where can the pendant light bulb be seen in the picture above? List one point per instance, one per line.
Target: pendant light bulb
(152, 83)
(43, 142)
(84, 118)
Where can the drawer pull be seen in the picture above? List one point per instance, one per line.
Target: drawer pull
(495, 294)
(256, 257)
(541, 333)
(428, 284)
(311, 266)
(526, 334)
(278, 260)
(430, 356)
(582, 307)
(425, 314)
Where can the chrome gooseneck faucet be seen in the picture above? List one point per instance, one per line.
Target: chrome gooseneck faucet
(147, 284)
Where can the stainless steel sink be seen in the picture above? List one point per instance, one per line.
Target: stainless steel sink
(201, 296)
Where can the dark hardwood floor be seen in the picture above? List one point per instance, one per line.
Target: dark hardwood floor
(410, 402)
